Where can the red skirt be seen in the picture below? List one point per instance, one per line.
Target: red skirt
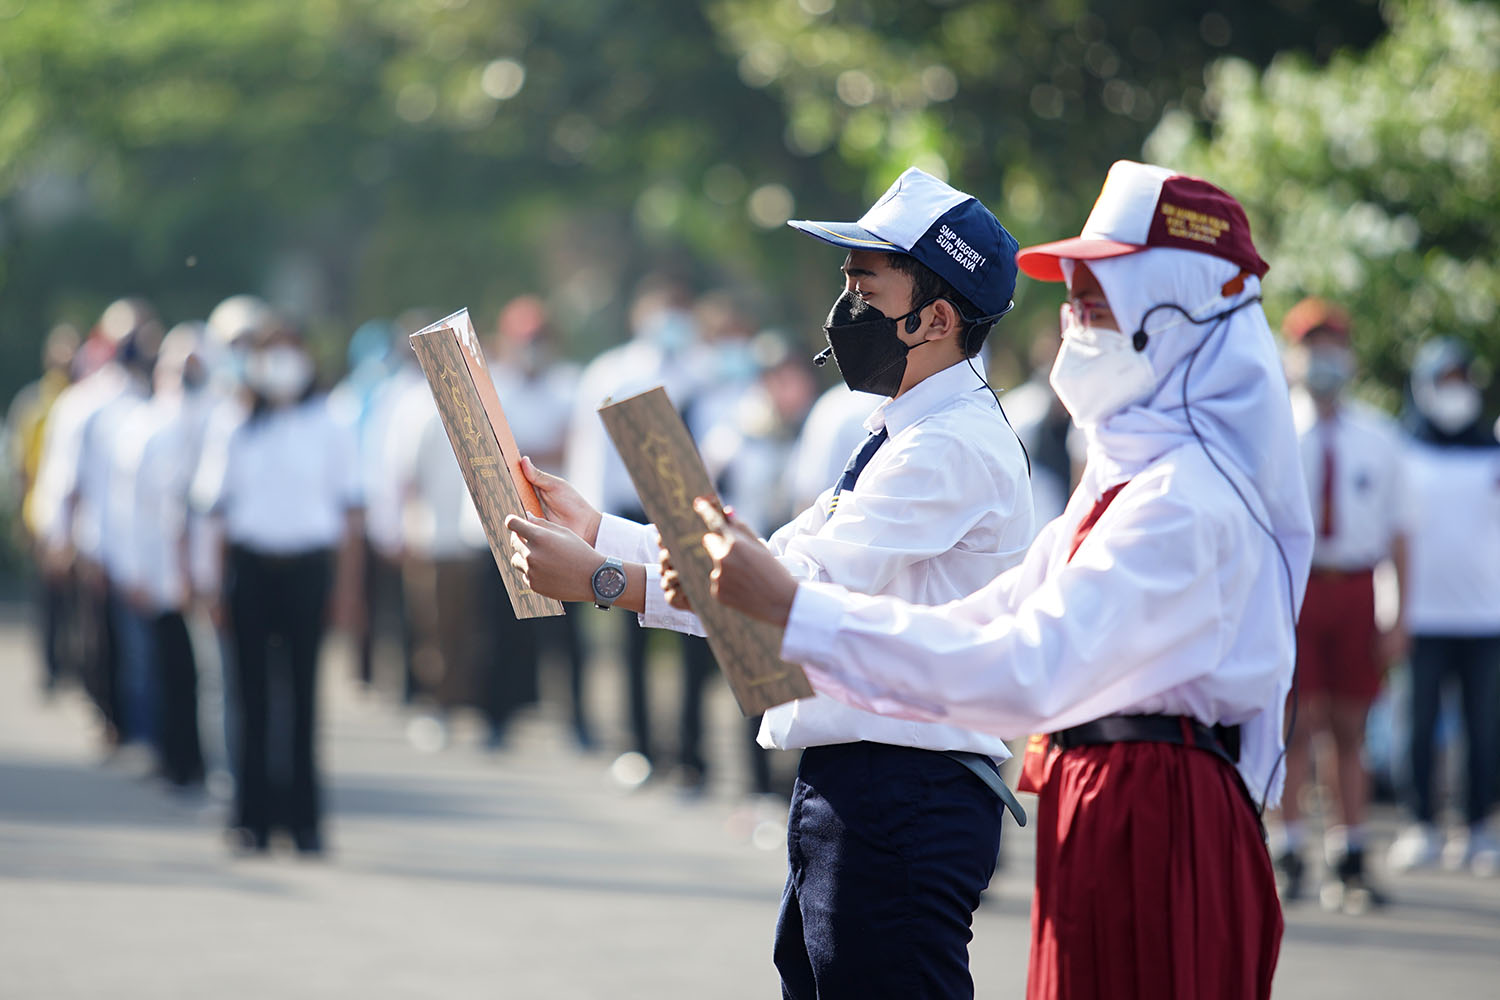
(1152, 880)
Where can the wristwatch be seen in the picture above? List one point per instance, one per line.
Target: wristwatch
(608, 583)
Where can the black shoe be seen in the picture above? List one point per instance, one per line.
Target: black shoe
(244, 842)
(1351, 891)
(308, 841)
(1290, 869)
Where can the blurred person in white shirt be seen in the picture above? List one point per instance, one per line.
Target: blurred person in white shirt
(440, 542)
(663, 350)
(1356, 482)
(287, 496)
(749, 457)
(378, 353)
(26, 423)
(232, 326)
(72, 493)
(1453, 461)
(167, 435)
(538, 389)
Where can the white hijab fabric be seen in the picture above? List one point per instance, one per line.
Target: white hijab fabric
(1238, 398)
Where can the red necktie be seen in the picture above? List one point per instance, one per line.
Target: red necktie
(1039, 755)
(1326, 522)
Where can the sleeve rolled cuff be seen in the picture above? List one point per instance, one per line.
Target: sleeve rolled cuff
(626, 540)
(813, 624)
(660, 614)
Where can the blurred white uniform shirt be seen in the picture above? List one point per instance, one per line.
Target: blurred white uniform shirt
(942, 509)
(1454, 583)
(171, 436)
(289, 477)
(1371, 502)
(538, 409)
(62, 446)
(437, 516)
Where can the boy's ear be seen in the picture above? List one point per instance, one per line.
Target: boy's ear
(945, 320)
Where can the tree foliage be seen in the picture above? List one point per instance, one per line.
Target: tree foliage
(354, 157)
(1373, 180)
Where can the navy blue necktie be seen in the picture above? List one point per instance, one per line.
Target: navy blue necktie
(857, 463)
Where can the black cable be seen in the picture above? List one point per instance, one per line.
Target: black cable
(986, 383)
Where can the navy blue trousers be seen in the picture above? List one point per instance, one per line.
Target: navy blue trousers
(888, 850)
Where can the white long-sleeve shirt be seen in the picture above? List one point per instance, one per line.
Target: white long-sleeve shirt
(942, 508)
(1176, 603)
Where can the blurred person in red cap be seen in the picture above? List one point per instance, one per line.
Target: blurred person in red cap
(1356, 482)
(1150, 628)
(1453, 460)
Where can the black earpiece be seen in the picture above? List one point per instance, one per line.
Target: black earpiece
(913, 320)
(1140, 340)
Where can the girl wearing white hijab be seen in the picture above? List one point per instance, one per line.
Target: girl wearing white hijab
(1150, 629)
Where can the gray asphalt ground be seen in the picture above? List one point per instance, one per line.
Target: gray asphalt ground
(523, 873)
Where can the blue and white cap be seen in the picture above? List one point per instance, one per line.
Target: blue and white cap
(945, 229)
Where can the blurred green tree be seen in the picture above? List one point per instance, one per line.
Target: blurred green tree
(1373, 180)
(354, 157)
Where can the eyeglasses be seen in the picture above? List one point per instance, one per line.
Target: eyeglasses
(1076, 313)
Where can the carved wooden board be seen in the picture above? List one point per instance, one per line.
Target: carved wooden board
(668, 475)
(449, 354)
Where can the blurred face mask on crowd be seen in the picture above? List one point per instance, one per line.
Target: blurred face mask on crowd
(1098, 371)
(734, 361)
(1327, 370)
(1451, 404)
(870, 354)
(281, 373)
(671, 330)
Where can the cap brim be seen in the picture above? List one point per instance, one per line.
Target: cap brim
(844, 234)
(1042, 261)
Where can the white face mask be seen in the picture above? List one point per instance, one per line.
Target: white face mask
(1451, 406)
(1099, 372)
(281, 373)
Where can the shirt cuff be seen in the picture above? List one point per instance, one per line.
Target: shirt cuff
(813, 623)
(626, 540)
(660, 614)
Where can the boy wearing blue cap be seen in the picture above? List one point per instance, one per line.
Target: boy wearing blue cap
(894, 825)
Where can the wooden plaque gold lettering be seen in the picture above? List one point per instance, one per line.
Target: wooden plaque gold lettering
(668, 475)
(449, 354)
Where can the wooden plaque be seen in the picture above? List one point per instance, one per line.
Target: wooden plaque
(449, 354)
(668, 474)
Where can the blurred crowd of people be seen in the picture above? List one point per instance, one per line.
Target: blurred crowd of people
(201, 509)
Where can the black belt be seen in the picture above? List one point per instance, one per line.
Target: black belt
(985, 770)
(1220, 740)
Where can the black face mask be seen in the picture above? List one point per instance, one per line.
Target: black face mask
(870, 356)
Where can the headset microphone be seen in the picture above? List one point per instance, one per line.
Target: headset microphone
(821, 358)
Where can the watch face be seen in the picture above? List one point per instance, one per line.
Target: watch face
(609, 582)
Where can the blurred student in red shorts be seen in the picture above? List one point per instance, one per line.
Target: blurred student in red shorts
(1351, 454)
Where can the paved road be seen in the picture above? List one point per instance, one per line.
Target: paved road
(524, 874)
